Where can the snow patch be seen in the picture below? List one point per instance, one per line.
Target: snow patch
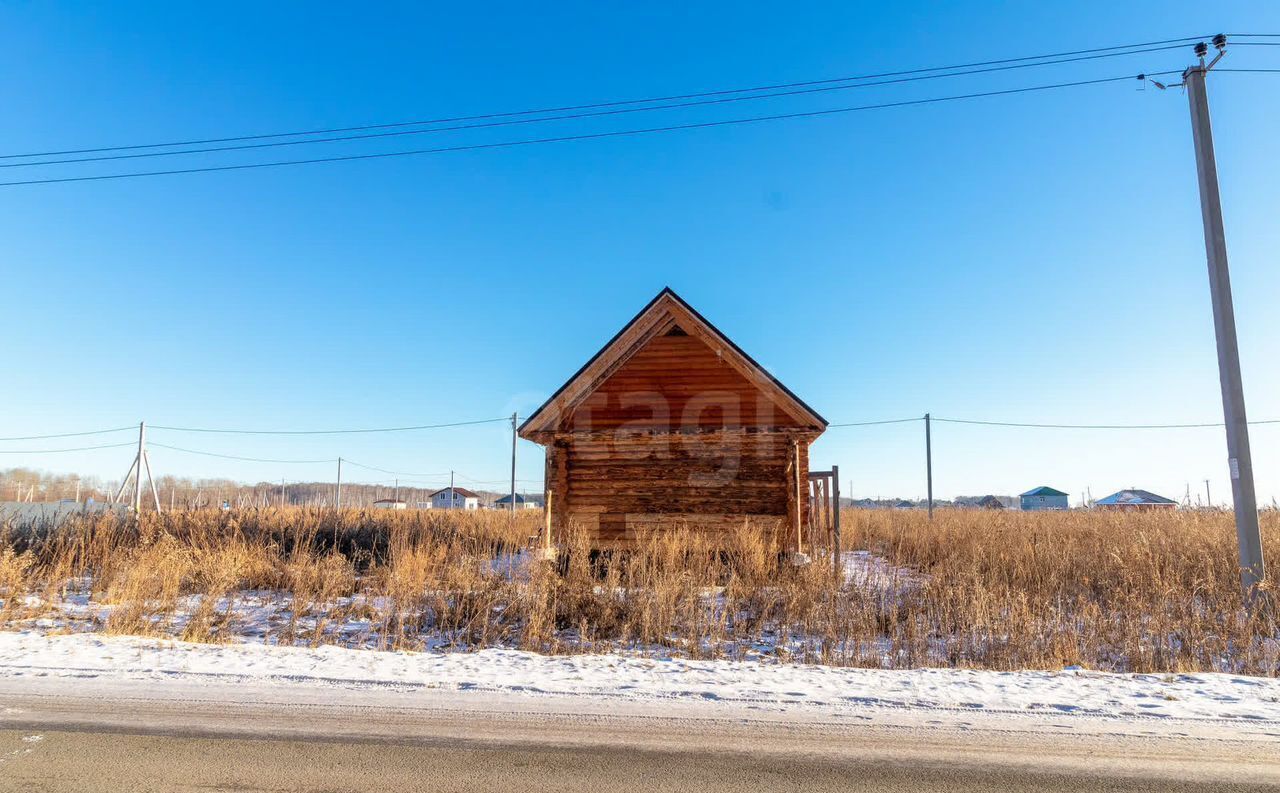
(152, 662)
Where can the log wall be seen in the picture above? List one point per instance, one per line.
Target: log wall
(676, 435)
(622, 487)
(676, 381)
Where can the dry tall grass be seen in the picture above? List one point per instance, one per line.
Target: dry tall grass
(1147, 592)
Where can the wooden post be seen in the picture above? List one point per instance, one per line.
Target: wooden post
(556, 509)
(792, 492)
(816, 498)
(513, 465)
(560, 517)
(547, 534)
(548, 484)
(799, 517)
(836, 553)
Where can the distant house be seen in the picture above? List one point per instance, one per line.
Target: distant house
(989, 502)
(455, 498)
(390, 503)
(904, 504)
(1135, 499)
(522, 502)
(1042, 498)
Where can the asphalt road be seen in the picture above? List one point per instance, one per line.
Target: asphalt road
(69, 736)
(79, 761)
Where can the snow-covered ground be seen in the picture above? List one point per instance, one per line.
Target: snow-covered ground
(869, 572)
(145, 664)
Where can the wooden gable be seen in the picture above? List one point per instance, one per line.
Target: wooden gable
(669, 369)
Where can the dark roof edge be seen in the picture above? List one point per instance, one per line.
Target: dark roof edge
(1043, 490)
(1146, 495)
(593, 358)
(744, 354)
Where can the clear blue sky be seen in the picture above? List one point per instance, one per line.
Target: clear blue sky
(1027, 258)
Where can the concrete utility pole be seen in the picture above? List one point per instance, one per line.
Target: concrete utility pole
(928, 462)
(137, 468)
(513, 464)
(337, 501)
(151, 480)
(1239, 460)
(140, 461)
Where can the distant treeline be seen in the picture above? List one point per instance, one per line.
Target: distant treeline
(25, 484)
(1007, 502)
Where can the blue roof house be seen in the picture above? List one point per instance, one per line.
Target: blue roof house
(1042, 498)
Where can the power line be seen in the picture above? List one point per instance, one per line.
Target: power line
(328, 432)
(492, 481)
(1096, 426)
(589, 136)
(877, 422)
(67, 434)
(613, 103)
(235, 457)
(395, 473)
(874, 423)
(499, 481)
(1034, 425)
(590, 114)
(421, 477)
(78, 449)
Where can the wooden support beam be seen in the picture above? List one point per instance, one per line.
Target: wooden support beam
(799, 498)
(795, 495)
(559, 491)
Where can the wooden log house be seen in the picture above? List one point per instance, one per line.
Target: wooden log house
(671, 424)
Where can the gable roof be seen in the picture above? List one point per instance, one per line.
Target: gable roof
(1134, 496)
(665, 310)
(462, 491)
(1044, 490)
(521, 498)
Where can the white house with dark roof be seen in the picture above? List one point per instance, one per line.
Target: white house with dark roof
(455, 498)
(522, 502)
